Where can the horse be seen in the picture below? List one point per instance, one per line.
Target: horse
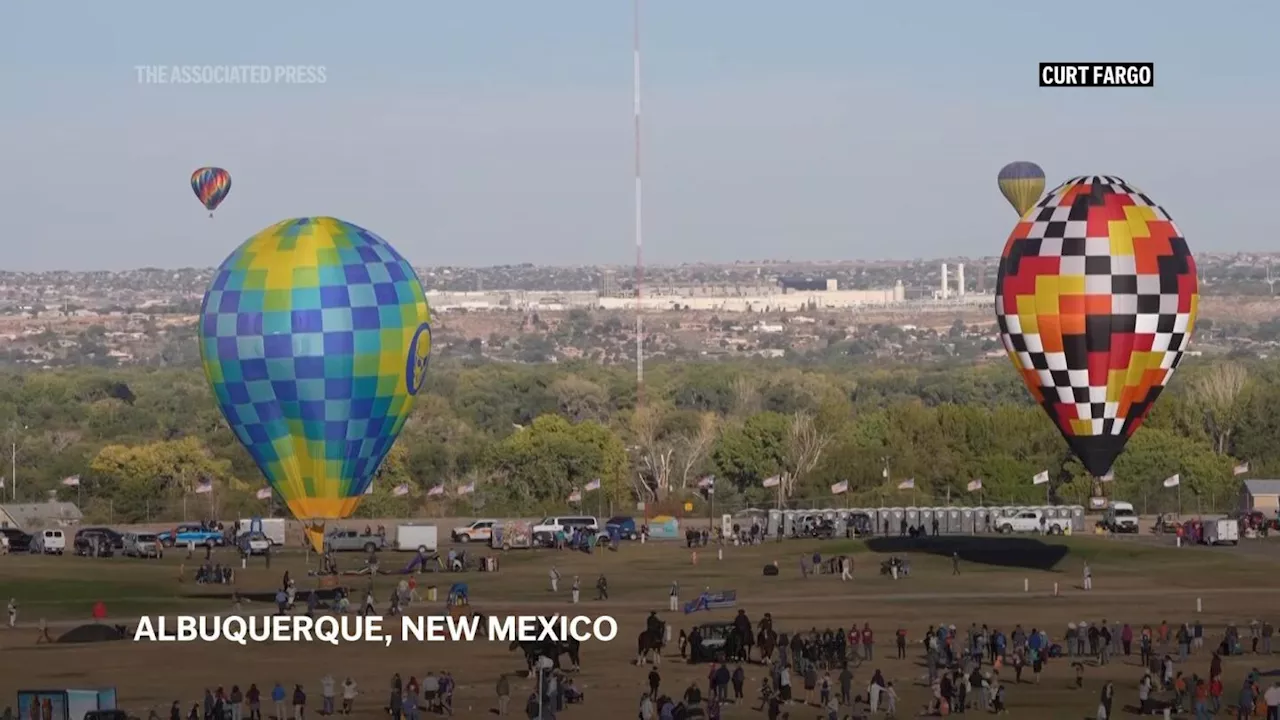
(533, 650)
(649, 643)
(767, 641)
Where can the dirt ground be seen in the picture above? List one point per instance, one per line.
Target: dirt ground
(1134, 583)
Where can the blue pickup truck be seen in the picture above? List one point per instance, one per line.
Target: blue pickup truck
(193, 534)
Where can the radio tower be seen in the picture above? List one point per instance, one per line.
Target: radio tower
(639, 234)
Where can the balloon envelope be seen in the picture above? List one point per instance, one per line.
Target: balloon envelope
(315, 336)
(1022, 184)
(211, 185)
(1096, 299)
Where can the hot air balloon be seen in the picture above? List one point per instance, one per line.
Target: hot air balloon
(1096, 300)
(315, 336)
(211, 185)
(1022, 184)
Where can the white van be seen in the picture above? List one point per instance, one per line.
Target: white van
(49, 542)
(1120, 518)
(544, 531)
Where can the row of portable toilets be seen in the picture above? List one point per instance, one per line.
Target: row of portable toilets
(951, 520)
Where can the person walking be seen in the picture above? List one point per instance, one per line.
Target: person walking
(1088, 577)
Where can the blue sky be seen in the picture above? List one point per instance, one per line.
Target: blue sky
(500, 132)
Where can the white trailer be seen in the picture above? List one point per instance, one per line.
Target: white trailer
(416, 538)
(273, 528)
(1223, 531)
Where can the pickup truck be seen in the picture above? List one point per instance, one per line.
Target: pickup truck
(479, 531)
(1028, 521)
(191, 533)
(342, 540)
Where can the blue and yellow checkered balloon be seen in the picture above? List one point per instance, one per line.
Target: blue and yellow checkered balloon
(315, 336)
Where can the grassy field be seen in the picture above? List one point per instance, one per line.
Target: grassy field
(1134, 582)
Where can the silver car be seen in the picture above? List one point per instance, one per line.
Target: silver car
(143, 545)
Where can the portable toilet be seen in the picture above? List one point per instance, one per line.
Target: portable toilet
(884, 519)
(789, 523)
(774, 523)
(1077, 518)
(926, 518)
(966, 520)
(982, 520)
(899, 515)
(955, 524)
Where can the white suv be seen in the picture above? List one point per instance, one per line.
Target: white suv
(1029, 521)
(480, 531)
(564, 523)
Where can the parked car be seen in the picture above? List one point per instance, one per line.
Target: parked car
(1030, 521)
(191, 533)
(93, 543)
(480, 531)
(545, 531)
(49, 542)
(626, 527)
(18, 540)
(254, 543)
(116, 538)
(142, 545)
(344, 540)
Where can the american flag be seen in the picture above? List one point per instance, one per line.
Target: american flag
(73, 481)
(593, 485)
(437, 490)
(401, 490)
(575, 497)
(908, 484)
(202, 486)
(840, 488)
(974, 485)
(774, 481)
(264, 494)
(1241, 469)
(467, 489)
(707, 482)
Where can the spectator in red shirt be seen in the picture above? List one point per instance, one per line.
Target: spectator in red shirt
(868, 641)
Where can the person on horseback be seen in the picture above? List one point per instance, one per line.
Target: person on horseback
(654, 625)
(766, 623)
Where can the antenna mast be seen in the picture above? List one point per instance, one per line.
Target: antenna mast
(639, 234)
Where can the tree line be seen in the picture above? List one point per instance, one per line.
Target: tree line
(530, 436)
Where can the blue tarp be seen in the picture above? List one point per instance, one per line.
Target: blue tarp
(712, 601)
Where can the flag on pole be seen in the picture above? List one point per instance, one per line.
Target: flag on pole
(73, 481)
(1040, 478)
(707, 482)
(593, 485)
(369, 490)
(1108, 477)
(908, 484)
(840, 488)
(202, 486)
(435, 491)
(1241, 469)
(575, 497)
(774, 481)
(467, 489)
(401, 490)
(264, 494)
(974, 485)
(1173, 481)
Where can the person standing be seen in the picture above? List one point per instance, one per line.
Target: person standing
(576, 589)
(299, 703)
(1088, 577)
(277, 697)
(554, 575)
(1272, 699)
(13, 612)
(504, 694)
(349, 692)
(955, 563)
(673, 598)
(326, 693)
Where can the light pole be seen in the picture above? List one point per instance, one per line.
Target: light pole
(13, 460)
